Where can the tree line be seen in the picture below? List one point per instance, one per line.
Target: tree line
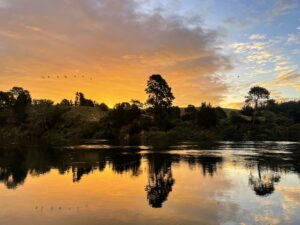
(261, 118)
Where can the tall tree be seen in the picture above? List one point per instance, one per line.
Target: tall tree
(159, 93)
(257, 97)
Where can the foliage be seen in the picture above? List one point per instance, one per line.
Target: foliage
(159, 93)
(66, 102)
(257, 98)
(80, 100)
(22, 117)
(103, 107)
(207, 116)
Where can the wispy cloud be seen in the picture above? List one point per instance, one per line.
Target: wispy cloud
(257, 37)
(292, 39)
(290, 76)
(283, 6)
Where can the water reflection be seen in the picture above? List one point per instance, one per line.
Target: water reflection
(263, 183)
(160, 179)
(208, 163)
(228, 183)
(266, 163)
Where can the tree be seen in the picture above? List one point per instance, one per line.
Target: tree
(207, 116)
(66, 102)
(137, 103)
(42, 102)
(103, 107)
(80, 100)
(190, 113)
(159, 93)
(257, 97)
(20, 99)
(123, 114)
(5, 100)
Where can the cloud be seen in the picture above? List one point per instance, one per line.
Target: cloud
(289, 76)
(257, 37)
(292, 39)
(240, 23)
(283, 6)
(254, 52)
(298, 28)
(111, 40)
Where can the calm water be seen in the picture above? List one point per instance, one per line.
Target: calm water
(228, 183)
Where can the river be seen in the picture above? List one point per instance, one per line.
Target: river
(188, 183)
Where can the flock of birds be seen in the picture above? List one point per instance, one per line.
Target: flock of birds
(64, 76)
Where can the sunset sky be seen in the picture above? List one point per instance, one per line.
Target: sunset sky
(208, 50)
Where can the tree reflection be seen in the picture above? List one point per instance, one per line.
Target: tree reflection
(125, 162)
(209, 163)
(160, 179)
(263, 184)
(12, 177)
(79, 171)
(18, 162)
(13, 172)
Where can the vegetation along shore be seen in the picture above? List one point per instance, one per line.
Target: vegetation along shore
(155, 121)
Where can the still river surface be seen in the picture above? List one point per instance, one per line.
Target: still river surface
(97, 183)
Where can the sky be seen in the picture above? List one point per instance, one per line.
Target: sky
(208, 51)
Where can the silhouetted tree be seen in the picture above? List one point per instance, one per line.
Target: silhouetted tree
(80, 100)
(137, 103)
(159, 93)
(103, 107)
(66, 102)
(247, 110)
(207, 116)
(20, 99)
(123, 114)
(20, 96)
(5, 100)
(190, 113)
(257, 97)
(290, 109)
